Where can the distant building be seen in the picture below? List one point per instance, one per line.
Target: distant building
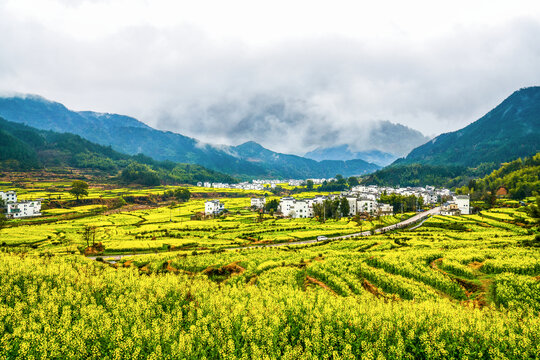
(450, 208)
(23, 209)
(366, 206)
(258, 203)
(385, 209)
(462, 202)
(8, 196)
(502, 191)
(213, 207)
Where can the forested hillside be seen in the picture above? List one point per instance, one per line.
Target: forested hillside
(25, 148)
(131, 136)
(519, 178)
(509, 131)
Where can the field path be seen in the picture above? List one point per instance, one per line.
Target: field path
(398, 225)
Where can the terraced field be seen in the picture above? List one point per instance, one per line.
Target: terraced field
(456, 287)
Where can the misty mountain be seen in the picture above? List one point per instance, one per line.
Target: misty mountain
(26, 148)
(343, 152)
(128, 135)
(509, 131)
(284, 163)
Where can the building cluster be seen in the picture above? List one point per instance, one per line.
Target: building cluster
(19, 209)
(303, 208)
(361, 199)
(258, 184)
(429, 194)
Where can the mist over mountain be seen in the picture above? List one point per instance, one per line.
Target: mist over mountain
(509, 131)
(290, 126)
(129, 135)
(343, 152)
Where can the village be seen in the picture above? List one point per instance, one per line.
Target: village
(361, 200)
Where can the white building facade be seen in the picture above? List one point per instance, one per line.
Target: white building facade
(23, 209)
(213, 207)
(8, 196)
(258, 203)
(462, 202)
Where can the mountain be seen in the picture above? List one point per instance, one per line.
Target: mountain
(286, 164)
(25, 148)
(343, 152)
(128, 135)
(509, 131)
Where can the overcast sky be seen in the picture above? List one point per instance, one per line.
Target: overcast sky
(291, 75)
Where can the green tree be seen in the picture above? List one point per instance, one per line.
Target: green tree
(318, 211)
(344, 207)
(534, 210)
(309, 185)
(182, 194)
(353, 181)
(79, 189)
(2, 219)
(271, 206)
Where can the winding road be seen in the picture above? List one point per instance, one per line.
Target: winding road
(399, 225)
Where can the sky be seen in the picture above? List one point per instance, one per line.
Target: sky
(291, 75)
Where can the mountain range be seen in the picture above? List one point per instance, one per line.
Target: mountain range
(343, 152)
(129, 135)
(25, 148)
(510, 131)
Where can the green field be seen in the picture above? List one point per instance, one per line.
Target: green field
(456, 287)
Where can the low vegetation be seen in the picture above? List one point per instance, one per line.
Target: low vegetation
(457, 286)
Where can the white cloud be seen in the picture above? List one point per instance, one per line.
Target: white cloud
(220, 70)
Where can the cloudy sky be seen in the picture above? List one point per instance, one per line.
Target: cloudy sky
(292, 75)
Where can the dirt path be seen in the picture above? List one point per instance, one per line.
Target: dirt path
(321, 284)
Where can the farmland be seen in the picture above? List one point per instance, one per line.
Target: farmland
(455, 287)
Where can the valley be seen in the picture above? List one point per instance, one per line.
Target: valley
(469, 282)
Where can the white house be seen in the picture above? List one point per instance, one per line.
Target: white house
(24, 209)
(258, 203)
(213, 207)
(353, 202)
(450, 208)
(8, 196)
(462, 202)
(385, 209)
(365, 205)
(286, 205)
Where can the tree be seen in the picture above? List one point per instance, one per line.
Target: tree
(271, 206)
(309, 185)
(89, 233)
(318, 211)
(79, 189)
(344, 207)
(353, 181)
(182, 194)
(534, 210)
(2, 218)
